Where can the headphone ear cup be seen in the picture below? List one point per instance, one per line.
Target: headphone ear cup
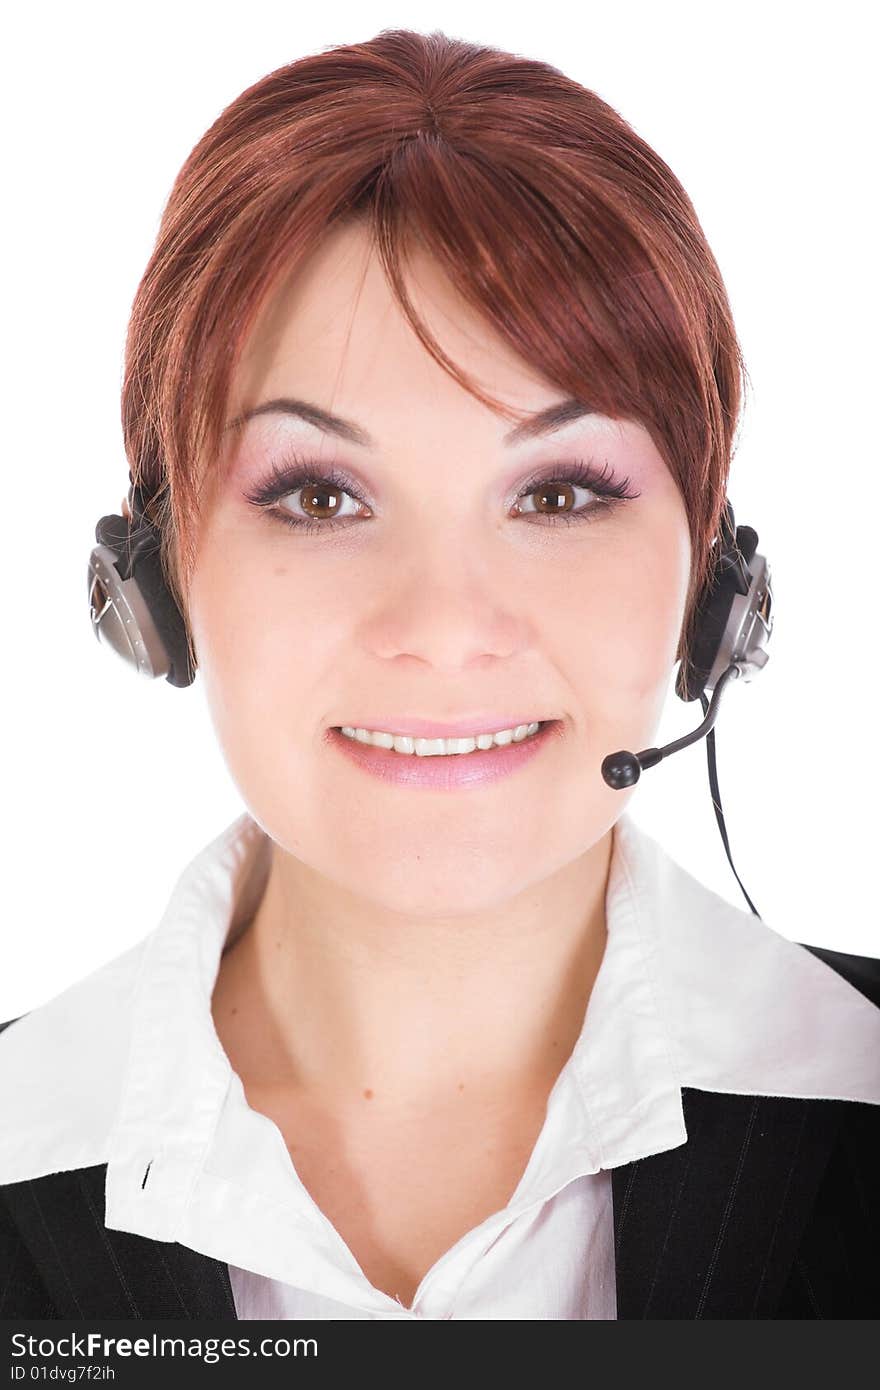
(166, 615)
(717, 631)
(132, 608)
(710, 624)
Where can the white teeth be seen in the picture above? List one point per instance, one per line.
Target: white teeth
(440, 747)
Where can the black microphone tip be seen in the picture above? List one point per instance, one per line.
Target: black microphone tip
(621, 770)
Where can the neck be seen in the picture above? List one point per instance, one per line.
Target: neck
(328, 994)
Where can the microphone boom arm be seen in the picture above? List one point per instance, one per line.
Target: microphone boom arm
(623, 769)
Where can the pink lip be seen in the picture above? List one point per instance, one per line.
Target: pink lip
(451, 773)
(429, 728)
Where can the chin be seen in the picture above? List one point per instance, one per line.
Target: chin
(444, 888)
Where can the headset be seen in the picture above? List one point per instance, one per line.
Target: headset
(133, 612)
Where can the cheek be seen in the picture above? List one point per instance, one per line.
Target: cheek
(266, 647)
(628, 603)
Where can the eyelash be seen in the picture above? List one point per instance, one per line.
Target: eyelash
(295, 472)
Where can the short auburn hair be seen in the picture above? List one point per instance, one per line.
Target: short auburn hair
(544, 207)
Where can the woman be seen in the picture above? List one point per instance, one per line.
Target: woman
(431, 391)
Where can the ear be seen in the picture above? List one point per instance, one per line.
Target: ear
(126, 509)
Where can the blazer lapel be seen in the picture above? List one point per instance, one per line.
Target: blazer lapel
(710, 1229)
(92, 1271)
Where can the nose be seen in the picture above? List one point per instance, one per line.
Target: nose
(449, 613)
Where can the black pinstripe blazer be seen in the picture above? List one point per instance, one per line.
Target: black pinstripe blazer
(770, 1210)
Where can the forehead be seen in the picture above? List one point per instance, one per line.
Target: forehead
(333, 333)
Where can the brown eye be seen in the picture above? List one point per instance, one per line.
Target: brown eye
(556, 497)
(552, 498)
(308, 495)
(316, 505)
(319, 501)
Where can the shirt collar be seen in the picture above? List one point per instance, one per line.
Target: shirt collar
(189, 1159)
(126, 1067)
(178, 1074)
(625, 1071)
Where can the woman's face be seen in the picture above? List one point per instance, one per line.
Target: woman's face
(434, 591)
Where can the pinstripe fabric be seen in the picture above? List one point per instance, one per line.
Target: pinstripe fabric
(770, 1210)
(836, 1273)
(88, 1270)
(710, 1230)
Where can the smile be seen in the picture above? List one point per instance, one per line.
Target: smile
(453, 764)
(441, 747)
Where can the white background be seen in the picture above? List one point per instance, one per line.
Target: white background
(766, 114)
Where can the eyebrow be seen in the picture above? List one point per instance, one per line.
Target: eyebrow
(553, 417)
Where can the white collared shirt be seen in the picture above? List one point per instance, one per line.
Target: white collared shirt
(125, 1068)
